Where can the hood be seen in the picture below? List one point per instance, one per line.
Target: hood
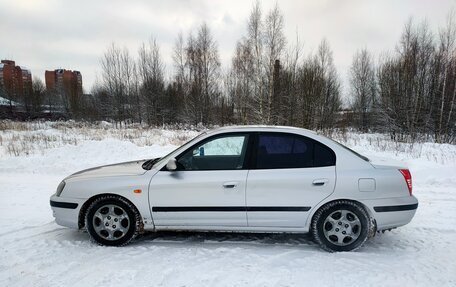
(386, 163)
(119, 169)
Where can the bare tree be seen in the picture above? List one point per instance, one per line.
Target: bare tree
(199, 76)
(127, 69)
(289, 89)
(38, 92)
(255, 37)
(110, 64)
(275, 42)
(151, 71)
(178, 90)
(118, 68)
(330, 101)
(406, 83)
(209, 69)
(363, 88)
(241, 82)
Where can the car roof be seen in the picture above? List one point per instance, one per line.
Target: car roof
(256, 128)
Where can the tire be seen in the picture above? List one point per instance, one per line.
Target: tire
(112, 221)
(342, 226)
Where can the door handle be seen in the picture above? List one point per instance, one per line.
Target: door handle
(231, 184)
(320, 181)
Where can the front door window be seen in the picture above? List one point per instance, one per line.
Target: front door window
(220, 153)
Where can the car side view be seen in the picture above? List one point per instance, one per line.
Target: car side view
(244, 179)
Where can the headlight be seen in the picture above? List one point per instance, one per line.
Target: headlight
(60, 188)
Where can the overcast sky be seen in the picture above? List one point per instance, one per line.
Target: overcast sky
(50, 34)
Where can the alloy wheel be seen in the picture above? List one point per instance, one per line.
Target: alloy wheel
(342, 227)
(111, 222)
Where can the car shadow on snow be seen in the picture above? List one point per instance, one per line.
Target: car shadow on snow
(398, 243)
(183, 239)
(207, 239)
(381, 242)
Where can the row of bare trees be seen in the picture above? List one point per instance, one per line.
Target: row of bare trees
(267, 82)
(136, 90)
(411, 92)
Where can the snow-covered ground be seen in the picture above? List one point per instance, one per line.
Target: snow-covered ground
(34, 251)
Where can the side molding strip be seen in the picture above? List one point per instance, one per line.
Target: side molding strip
(228, 208)
(278, 208)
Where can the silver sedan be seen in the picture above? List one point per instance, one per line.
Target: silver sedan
(244, 179)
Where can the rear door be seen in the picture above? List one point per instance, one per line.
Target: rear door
(290, 174)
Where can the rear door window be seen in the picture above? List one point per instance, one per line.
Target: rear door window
(277, 150)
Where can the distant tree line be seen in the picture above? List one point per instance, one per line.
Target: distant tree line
(408, 93)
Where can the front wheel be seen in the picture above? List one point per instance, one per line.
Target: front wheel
(341, 226)
(112, 221)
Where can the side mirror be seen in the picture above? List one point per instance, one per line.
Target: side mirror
(171, 165)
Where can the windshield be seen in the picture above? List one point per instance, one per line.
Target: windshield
(166, 157)
(350, 150)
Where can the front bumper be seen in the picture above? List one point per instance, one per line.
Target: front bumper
(66, 210)
(392, 212)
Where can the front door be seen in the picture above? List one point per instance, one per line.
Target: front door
(291, 174)
(207, 189)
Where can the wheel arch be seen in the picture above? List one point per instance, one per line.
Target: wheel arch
(322, 205)
(88, 202)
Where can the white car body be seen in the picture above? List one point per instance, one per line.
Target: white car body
(251, 200)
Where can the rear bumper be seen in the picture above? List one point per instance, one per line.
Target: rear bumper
(66, 210)
(392, 212)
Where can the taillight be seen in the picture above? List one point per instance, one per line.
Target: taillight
(408, 178)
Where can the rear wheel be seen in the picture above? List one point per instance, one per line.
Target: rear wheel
(112, 220)
(341, 226)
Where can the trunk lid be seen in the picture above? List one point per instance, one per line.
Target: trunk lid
(386, 163)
